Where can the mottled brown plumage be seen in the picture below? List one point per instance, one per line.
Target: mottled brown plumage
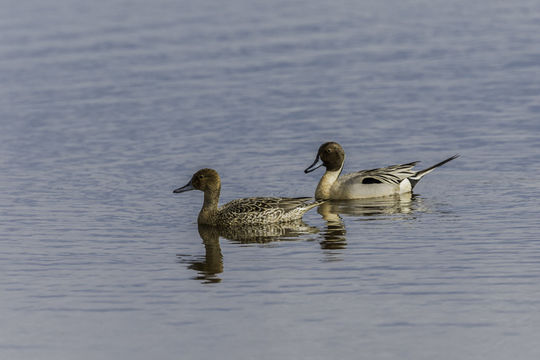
(255, 210)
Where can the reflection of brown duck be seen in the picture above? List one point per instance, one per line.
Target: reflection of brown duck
(212, 263)
(266, 233)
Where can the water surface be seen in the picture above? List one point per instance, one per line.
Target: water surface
(107, 107)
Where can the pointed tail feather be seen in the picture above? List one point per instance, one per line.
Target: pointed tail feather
(420, 174)
(314, 203)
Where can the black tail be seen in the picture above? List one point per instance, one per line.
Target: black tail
(416, 177)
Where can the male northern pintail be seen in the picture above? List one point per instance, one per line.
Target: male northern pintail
(249, 211)
(395, 179)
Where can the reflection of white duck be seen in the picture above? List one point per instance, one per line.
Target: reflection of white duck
(395, 179)
(387, 205)
(256, 210)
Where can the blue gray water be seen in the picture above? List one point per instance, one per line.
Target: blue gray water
(107, 106)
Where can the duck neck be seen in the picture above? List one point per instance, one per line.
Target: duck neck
(326, 182)
(210, 207)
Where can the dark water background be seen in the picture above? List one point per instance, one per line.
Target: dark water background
(106, 106)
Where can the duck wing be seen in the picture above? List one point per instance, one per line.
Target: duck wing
(393, 174)
(263, 204)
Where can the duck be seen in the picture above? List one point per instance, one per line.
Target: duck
(246, 211)
(363, 184)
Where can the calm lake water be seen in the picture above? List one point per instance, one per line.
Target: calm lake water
(107, 106)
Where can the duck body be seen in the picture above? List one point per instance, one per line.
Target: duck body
(247, 211)
(258, 211)
(386, 181)
(366, 183)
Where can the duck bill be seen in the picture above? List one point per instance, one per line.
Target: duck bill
(184, 188)
(314, 166)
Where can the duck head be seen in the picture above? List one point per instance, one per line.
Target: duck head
(331, 155)
(205, 180)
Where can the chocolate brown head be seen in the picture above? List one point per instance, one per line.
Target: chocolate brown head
(331, 155)
(206, 180)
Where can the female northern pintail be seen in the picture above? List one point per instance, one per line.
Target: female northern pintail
(395, 179)
(249, 211)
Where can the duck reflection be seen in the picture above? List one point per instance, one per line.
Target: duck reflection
(334, 235)
(387, 205)
(266, 233)
(209, 266)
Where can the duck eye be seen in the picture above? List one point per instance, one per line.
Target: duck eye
(201, 176)
(328, 151)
